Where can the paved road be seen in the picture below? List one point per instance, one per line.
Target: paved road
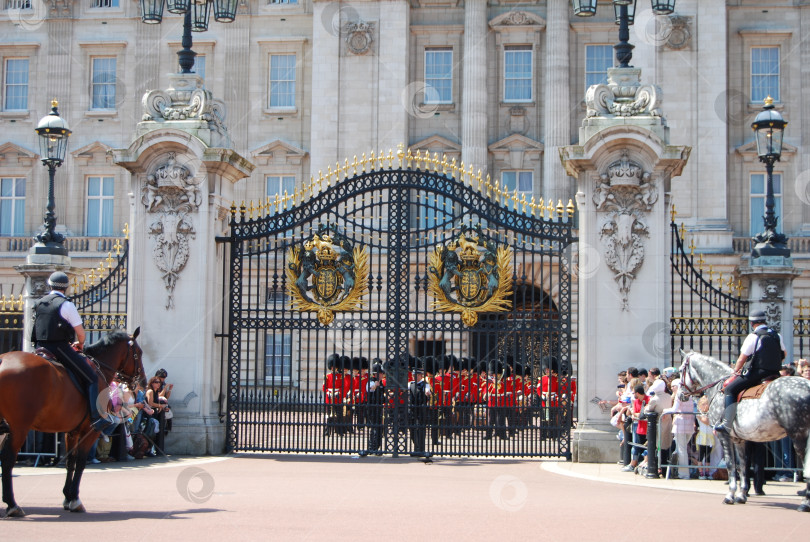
(299, 497)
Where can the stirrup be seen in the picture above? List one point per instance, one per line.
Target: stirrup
(100, 424)
(721, 427)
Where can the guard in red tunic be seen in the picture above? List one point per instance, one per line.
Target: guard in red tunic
(333, 394)
(495, 400)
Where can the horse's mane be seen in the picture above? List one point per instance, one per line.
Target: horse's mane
(712, 360)
(107, 340)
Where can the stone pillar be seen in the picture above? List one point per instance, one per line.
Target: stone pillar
(623, 166)
(182, 175)
(36, 270)
(556, 102)
(803, 158)
(325, 84)
(474, 87)
(771, 290)
(394, 63)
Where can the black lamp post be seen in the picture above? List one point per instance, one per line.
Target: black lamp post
(769, 127)
(197, 15)
(53, 135)
(625, 13)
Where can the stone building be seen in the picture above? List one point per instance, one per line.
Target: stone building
(498, 85)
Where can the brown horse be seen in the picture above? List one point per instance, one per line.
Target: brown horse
(36, 394)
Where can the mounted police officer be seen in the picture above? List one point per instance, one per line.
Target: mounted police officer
(760, 358)
(58, 328)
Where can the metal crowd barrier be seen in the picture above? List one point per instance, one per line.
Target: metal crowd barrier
(32, 447)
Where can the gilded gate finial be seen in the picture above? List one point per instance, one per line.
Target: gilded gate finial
(400, 153)
(571, 209)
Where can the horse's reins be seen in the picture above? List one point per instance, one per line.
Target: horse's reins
(99, 364)
(689, 391)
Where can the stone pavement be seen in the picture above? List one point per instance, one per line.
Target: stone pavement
(319, 497)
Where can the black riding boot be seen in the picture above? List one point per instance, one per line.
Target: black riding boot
(96, 420)
(729, 414)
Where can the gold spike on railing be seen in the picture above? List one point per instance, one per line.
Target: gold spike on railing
(277, 204)
(720, 282)
(480, 190)
(533, 207)
(92, 276)
(435, 162)
(672, 213)
(700, 263)
(497, 191)
(560, 209)
(328, 177)
(515, 200)
(692, 247)
(119, 247)
(541, 208)
(523, 202)
(570, 209)
(233, 210)
(371, 160)
(243, 210)
(730, 284)
(550, 209)
(110, 260)
(711, 273)
(286, 198)
(409, 158)
(453, 169)
(390, 158)
(251, 208)
(444, 164)
(739, 288)
(400, 153)
(682, 231)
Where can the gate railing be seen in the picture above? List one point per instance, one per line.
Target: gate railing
(11, 323)
(801, 330)
(102, 297)
(401, 210)
(704, 318)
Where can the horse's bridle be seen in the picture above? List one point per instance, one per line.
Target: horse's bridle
(120, 374)
(686, 391)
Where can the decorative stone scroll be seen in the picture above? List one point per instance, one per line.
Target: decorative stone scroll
(623, 96)
(172, 193)
(626, 193)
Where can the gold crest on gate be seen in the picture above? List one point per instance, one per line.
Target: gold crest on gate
(327, 274)
(470, 274)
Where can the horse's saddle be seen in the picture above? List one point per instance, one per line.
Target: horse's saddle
(49, 356)
(755, 392)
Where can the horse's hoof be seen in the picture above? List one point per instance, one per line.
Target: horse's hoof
(66, 504)
(728, 500)
(804, 507)
(740, 500)
(77, 507)
(15, 512)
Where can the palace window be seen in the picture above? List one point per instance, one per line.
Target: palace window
(758, 187)
(15, 85)
(764, 74)
(438, 75)
(105, 3)
(278, 358)
(282, 81)
(12, 206)
(18, 4)
(598, 58)
(100, 203)
(279, 184)
(103, 83)
(517, 73)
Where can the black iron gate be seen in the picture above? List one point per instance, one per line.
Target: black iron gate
(708, 314)
(419, 266)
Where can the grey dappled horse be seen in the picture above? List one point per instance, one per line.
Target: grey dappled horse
(782, 410)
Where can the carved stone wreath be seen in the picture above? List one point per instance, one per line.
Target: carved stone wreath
(626, 193)
(359, 36)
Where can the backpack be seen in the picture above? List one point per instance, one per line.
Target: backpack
(139, 446)
(768, 354)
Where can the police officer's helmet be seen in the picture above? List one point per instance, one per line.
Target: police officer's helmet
(58, 280)
(757, 316)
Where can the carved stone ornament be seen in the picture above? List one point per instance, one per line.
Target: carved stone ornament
(680, 36)
(626, 193)
(359, 36)
(773, 313)
(517, 18)
(771, 289)
(172, 193)
(623, 96)
(187, 100)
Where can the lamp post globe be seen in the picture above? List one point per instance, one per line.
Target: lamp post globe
(769, 127)
(53, 132)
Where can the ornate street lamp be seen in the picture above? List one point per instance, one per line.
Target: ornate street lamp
(769, 127)
(53, 135)
(625, 13)
(197, 16)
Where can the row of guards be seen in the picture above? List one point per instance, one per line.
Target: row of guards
(464, 392)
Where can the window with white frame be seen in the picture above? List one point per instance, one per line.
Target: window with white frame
(278, 358)
(598, 58)
(105, 3)
(103, 83)
(282, 81)
(522, 180)
(279, 184)
(438, 75)
(12, 206)
(283, 1)
(517, 73)
(100, 204)
(18, 4)
(15, 84)
(764, 74)
(758, 189)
